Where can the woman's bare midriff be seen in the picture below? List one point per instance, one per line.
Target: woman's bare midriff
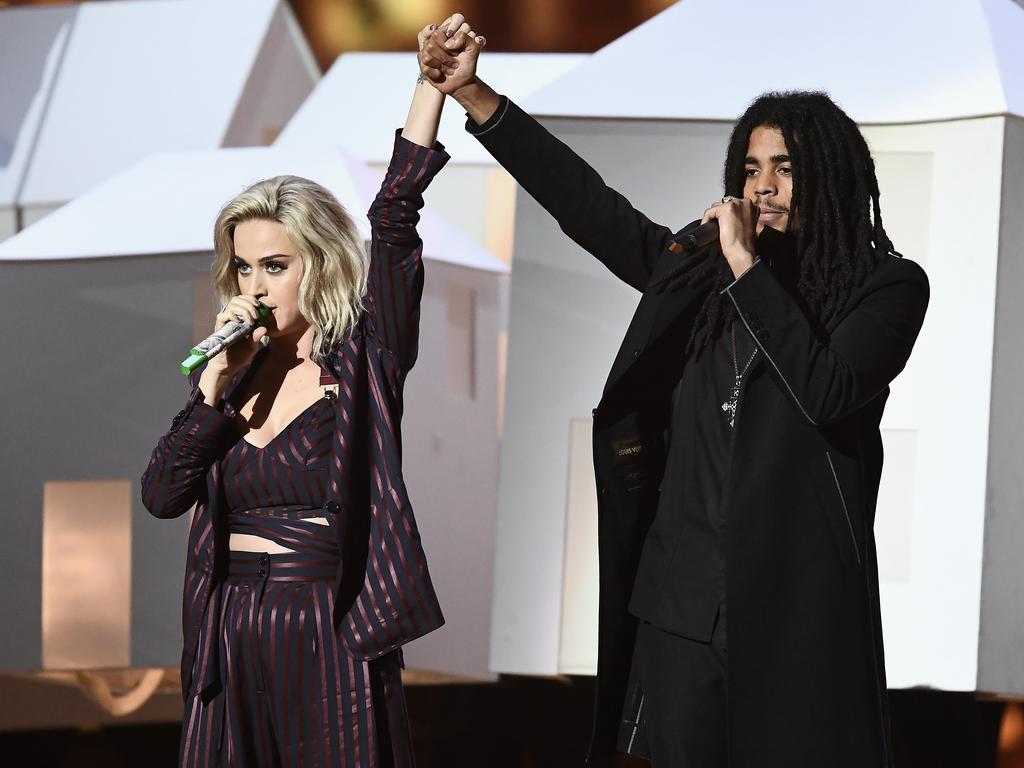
(246, 542)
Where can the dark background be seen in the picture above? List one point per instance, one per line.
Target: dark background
(545, 723)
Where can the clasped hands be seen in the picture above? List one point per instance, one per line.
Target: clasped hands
(448, 54)
(448, 57)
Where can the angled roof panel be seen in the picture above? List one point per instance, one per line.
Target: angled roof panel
(168, 204)
(365, 96)
(884, 62)
(1006, 26)
(141, 76)
(31, 43)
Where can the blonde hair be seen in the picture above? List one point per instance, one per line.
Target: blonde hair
(334, 262)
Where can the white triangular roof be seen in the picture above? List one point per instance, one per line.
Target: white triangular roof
(31, 43)
(168, 204)
(364, 97)
(882, 61)
(143, 76)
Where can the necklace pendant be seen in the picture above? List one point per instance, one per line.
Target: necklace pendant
(730, 410)
(731, 405)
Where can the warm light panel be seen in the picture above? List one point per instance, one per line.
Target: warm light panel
(87, 547)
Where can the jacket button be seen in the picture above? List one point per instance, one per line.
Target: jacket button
(603, 491)
(332, 507)
(264, 559)
(593, 412)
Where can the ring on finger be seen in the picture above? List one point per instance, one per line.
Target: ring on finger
(728, 199)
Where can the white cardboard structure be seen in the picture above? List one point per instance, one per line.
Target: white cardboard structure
(949, 524)
(364, 97)
(31, 43)
(125, 262)
(868, 54)
(99, 86)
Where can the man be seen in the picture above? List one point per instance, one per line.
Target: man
(737, 446)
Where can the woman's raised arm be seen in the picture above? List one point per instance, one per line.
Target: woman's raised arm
(396, 250)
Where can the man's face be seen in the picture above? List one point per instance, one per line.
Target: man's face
(769, 178)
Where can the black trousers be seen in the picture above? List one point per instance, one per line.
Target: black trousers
(680, 719)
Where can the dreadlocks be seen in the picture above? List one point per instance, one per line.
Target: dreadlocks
(839, 233)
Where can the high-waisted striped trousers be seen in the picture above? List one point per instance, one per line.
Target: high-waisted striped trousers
(291, 695)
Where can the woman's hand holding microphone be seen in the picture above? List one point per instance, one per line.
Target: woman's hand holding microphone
(220, 368)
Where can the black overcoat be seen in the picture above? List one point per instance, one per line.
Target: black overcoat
(806, 674)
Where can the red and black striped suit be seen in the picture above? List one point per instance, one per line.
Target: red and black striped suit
(382, 594)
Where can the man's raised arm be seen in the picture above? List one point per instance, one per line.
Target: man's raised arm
(595, 216)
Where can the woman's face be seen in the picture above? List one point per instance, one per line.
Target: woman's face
(268, 265)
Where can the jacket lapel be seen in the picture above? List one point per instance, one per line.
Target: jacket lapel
(654, 314)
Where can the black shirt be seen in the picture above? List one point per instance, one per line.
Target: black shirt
(680, 580)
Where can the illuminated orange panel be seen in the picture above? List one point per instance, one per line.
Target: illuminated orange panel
(461, 316)
(87, 550)
(500, 214)
(204, 307)
(577, 652)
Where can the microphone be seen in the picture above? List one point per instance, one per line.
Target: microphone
(703, 235)
(221, 339)
(687, 242)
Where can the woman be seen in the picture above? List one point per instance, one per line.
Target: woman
(305, 573)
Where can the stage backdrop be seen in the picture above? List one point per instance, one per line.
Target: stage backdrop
(363, 98)
(88, 89)
(110, 292)
(949, 523)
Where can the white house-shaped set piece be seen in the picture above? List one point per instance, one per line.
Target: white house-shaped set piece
(128, 264)
(364, 97)
(896, 63)
(128, 78)
(939, 94)
(32, 41)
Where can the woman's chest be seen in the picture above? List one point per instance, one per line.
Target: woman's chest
(268, 405)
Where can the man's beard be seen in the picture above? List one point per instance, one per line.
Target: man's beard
(772, 208)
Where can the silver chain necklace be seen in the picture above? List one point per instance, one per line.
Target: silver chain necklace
(732, 404)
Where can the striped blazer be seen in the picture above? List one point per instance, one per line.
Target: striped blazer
(384, 596)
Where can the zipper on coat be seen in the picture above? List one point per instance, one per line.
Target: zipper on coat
(636, 724)
(842, 500)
